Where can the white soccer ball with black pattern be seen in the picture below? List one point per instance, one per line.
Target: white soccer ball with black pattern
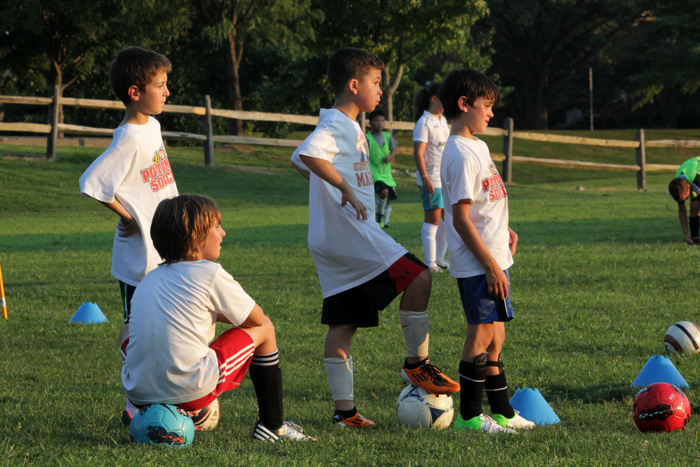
(417, 408)
(683, 338)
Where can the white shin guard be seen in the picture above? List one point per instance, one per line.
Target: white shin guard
(340, 378)
(415, 326)
(427, 235)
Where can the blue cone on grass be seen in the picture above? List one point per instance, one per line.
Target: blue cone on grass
(89, 313)
(533, 407)
(659, 369)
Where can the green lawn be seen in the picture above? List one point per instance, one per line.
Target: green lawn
(600, 274)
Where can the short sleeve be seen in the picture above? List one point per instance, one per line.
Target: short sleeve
(320, 145)
(229, 298)
(105, 175)
(463, 178)
(420, 131)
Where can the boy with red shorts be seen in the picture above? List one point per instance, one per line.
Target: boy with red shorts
(361, 268)
(170, 357)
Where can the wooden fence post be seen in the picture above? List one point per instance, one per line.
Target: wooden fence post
(209, 131)
(507, 174)
(53, 117)
(641, 161)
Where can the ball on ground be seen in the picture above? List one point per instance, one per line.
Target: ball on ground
(417, 408)
(162, 425)
(661, 407)
(683, 338)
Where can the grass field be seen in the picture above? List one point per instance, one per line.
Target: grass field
(600, 274)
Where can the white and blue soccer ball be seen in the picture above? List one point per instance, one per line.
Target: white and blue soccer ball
(162, 425)
(417, 408)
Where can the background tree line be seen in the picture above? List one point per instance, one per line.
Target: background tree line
(271, 55)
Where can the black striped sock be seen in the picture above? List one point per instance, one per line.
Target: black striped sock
(497, 393)
(266, 375)
(472, 377)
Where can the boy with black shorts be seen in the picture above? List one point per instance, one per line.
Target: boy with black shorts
(481, 250)
(133, 174)
(361, 268)
(382, 151)
(169, 354)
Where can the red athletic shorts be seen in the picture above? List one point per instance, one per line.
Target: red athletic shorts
(234, 349)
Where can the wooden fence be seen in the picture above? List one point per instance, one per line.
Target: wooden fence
(207, 138)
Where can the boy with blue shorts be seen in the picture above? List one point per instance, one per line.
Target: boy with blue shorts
(481, 250)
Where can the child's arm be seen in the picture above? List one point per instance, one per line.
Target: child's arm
(127, 225)
(304, 173)
(683, 218)
(419, 156)
(495, 277)
(255, 318)
(326, 172)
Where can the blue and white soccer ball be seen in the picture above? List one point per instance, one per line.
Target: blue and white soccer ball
(162, 425)
(417, 408)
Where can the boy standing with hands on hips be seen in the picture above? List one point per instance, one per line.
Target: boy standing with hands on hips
(361, 268)
(133, 175)
(481, 250)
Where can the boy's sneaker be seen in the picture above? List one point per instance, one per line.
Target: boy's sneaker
(443, 264)
(129, 413)
(126, 418)
(481, 423)
(288, 431)
(356, 421)
(515, 423)
(430, 378)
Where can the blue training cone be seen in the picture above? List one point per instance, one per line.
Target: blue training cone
(533, 407)
(659, 369)
(89, 313)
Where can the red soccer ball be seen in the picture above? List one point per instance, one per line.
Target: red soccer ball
(661, 407)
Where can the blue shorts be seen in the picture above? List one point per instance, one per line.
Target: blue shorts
(431, 201)
(479, 306)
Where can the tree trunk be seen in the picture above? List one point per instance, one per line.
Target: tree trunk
(58, 84)
(235, 100)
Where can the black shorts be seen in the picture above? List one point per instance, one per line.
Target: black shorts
(360, 305)
(381, 186)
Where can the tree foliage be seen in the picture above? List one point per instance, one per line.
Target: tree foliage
(540, 44)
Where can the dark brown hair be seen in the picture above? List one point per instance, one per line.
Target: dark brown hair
(676, 187)
(181, 225)
(468, 83)
(135, 66)
(421, 99)
(350, 63)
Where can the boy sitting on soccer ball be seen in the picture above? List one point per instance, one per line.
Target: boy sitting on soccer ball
(170, 357)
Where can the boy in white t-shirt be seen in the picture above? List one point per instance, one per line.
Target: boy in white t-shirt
(481, 250)
(361, 268)
(169, 354)
(133, 175)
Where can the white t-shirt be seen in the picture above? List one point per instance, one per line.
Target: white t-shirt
(347, 252)
(173, 321)
(469, 173)
(135, 169)
(433, 131)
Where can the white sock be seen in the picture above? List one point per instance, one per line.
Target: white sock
(381, 203)
(340, 378)
(387, 215)
(427, 235)
(441, 242)
(415, 326)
